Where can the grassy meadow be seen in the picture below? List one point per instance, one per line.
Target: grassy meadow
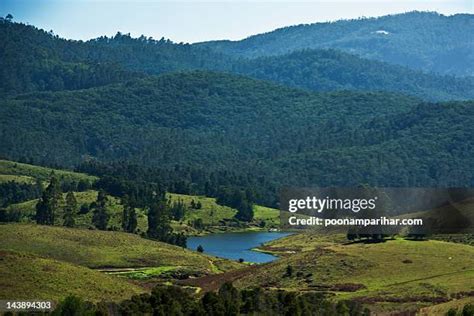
(387, 276)
(103, 249)
(213, 215)
(428, 276)
(21, 172)
(52, 262)
(26, 276)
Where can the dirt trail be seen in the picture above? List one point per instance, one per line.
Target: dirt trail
(214, 282)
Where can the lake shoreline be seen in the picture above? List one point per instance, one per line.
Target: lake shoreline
(238, 245)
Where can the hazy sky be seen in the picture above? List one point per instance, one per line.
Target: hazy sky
(194, 20)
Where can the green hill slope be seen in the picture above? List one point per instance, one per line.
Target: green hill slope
(208, 122)
(453, 218)
(214, 217)
(20, 182)
(27, 173)
(25, 276)
(420, 40)
(329, 70)
(35, 60)
(395, 275)
(82, 219)
(106, 249)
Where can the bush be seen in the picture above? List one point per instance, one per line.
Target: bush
(468, 310)
(85, 208)
(74, 306)
(9, 215)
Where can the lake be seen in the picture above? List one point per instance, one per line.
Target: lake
(236, 245)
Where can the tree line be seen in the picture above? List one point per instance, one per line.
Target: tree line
(154, 202)
(227, 301)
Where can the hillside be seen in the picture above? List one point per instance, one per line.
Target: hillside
(213, 217)
(128, 164)
(20, 182)
(105, 249)
(35, 60)
(453, 218)
(23, 276)
(82, 219)
(418, 273)
(420, 40)
(331, 70)
(208, 122)
(28, 173)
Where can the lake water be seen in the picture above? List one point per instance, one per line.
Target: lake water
(236, 245)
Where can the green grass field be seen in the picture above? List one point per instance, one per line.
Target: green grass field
(16, 178)
(270, 216)
(26, 171)
(388, 276)
(211, 213)
(25, 277)
(27, 210)
(214, 215)
(104, 249)
(443, 308)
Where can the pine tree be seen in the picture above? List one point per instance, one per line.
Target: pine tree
(49, 202)
(129, 215)
(244, 211)
(125, 212)
(178, 210)
(70, 210)
(158, 221)
(132, 221)
(100, 217)
(231, 298)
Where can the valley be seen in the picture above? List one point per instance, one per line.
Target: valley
(142, 176)
(386, 277)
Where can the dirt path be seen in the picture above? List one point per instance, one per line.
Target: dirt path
(215, 281)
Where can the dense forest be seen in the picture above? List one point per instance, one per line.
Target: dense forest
(329, 70)
(35, 60)
(209, 124)
(425, 41)
(190, 118)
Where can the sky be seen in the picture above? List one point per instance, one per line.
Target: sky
(196, 20)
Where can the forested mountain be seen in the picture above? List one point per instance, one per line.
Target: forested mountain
(156, 105)
(218, 122)
(330, 70)
(35, 60)
(420, 40)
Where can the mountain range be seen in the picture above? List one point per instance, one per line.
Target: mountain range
(35, 60)
(425, 41)
(315, 117)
